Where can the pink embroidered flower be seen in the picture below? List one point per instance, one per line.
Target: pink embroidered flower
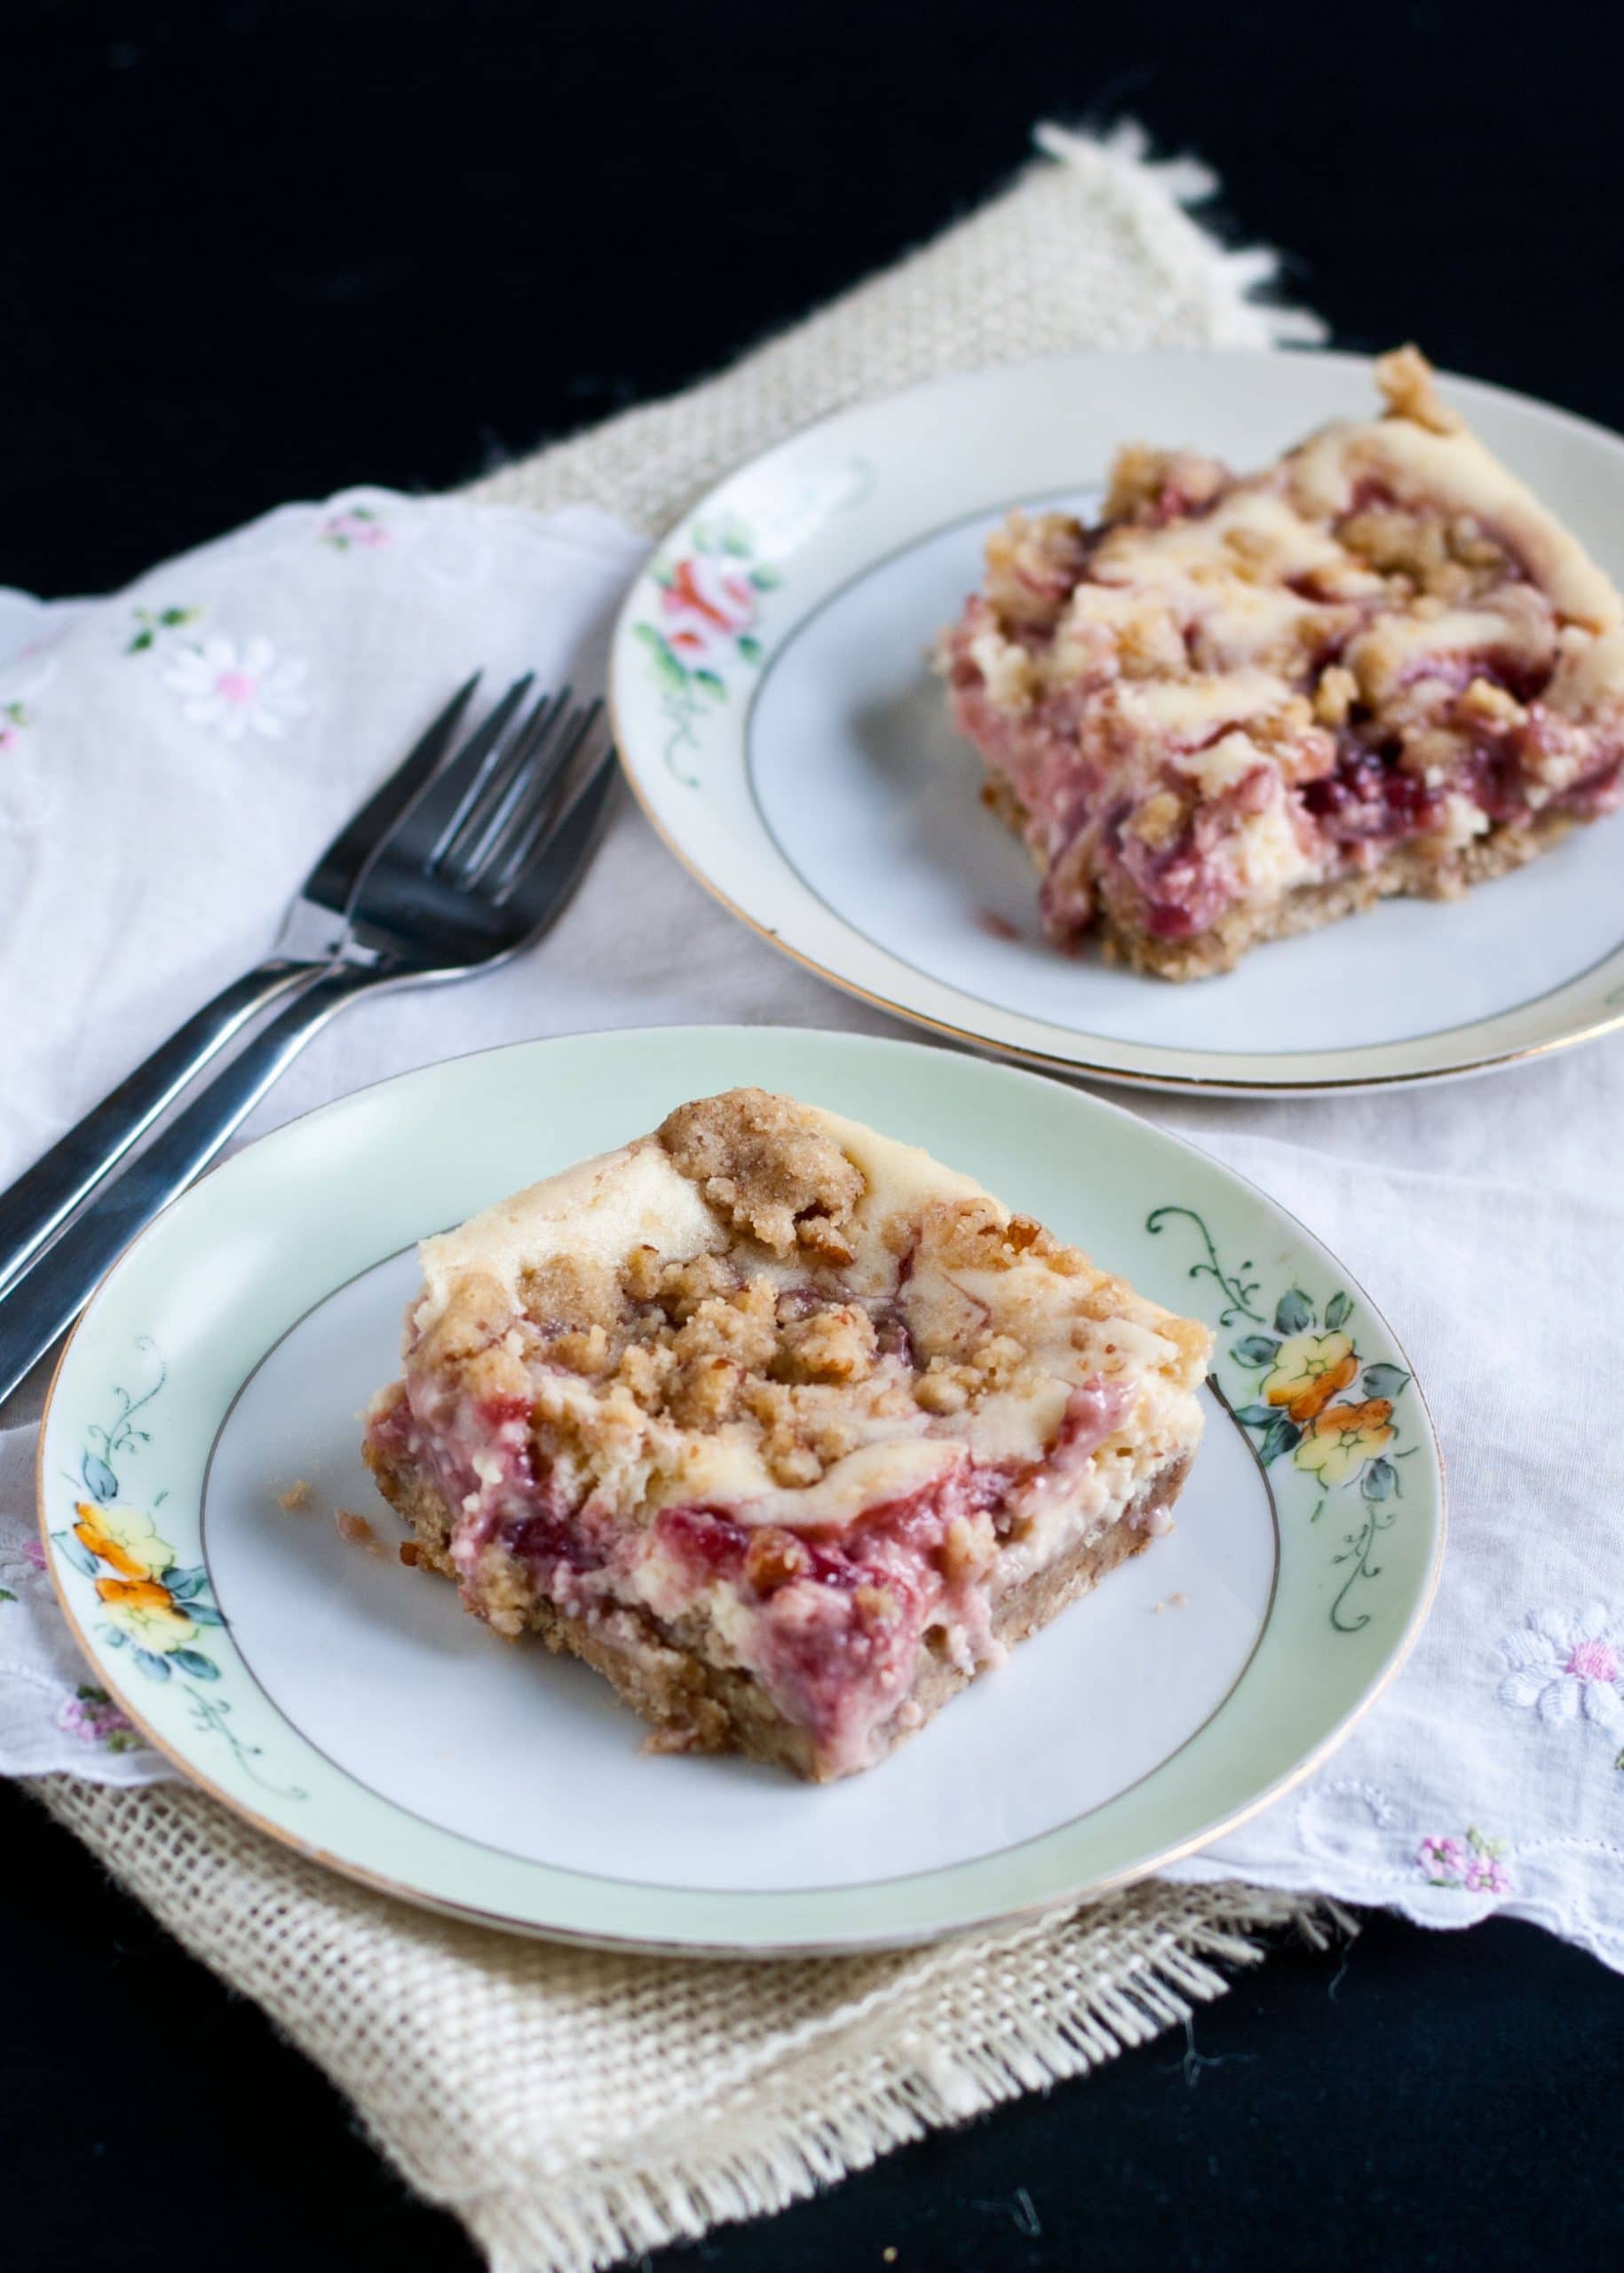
(1469, 1866)
(91, 1716)
(238, 694)
(1594, 1660)
(707, 604)
(34, 1552)
(1441, 1859)
(1566, 1666)
(353, 525)
(13, 718)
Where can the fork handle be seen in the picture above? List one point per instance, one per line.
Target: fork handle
(46, 1194)
(52, 1292)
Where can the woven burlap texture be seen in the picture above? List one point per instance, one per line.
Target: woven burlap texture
(574, 2107)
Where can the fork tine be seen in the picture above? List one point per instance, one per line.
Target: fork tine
(528, 789)
(439, 807)
(548, 817)
(541, 877)
(458, 849)
(333, 879)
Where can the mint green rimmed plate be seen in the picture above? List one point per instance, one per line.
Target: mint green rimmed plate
(348, 1706)
(778, 718)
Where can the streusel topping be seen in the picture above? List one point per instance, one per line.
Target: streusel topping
(840, 1314)
(1235, 689)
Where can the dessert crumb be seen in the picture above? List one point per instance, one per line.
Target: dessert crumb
(996, 926)
(296, 1499)
(1178, 1602)
(357, 1529)
(666, 1740)
(409, 1554)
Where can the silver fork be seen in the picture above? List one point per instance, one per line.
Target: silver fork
(483, 862)
(312, 931)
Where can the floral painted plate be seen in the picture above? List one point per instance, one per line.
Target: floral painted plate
(351, 1707)
(779, 722)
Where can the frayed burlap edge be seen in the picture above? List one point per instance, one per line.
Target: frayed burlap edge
(1013, 281)
(871, 2052)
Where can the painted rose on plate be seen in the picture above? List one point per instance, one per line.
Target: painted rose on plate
(704, 625)
(706, 609)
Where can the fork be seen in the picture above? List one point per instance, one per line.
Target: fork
(312, 932)
(481, 865)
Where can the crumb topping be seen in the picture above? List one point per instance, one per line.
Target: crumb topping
(768, 1166)
(1410, 390)
(1233, 688)
(851, 1304)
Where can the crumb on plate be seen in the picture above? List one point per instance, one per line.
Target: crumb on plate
(357, 1530)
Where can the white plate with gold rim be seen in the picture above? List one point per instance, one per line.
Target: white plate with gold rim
(353, 1709)
(779, 722)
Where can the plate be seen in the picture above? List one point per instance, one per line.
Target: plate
(350, 1708)
(779, 722)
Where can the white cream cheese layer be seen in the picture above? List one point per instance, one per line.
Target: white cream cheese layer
(599, 1211)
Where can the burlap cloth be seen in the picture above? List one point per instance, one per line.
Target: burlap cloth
(572, 2108)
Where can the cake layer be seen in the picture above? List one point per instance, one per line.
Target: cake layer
(695, 1704)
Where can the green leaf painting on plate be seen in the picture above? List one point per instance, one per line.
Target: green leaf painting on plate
(1302, 1394)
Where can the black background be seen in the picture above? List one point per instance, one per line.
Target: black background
(252, 252)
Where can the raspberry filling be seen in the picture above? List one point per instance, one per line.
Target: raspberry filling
(834, 1615)
(1368, 801)
(1228, 690)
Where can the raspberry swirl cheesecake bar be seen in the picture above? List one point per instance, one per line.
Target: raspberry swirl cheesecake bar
(783, 1427)
(1238, 708)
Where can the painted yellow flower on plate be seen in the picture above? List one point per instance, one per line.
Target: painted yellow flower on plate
(124, 1537)
(147, 1612)
(1308, 1371)
(1336, 1445)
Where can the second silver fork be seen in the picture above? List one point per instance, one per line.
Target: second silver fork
(482, 864)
